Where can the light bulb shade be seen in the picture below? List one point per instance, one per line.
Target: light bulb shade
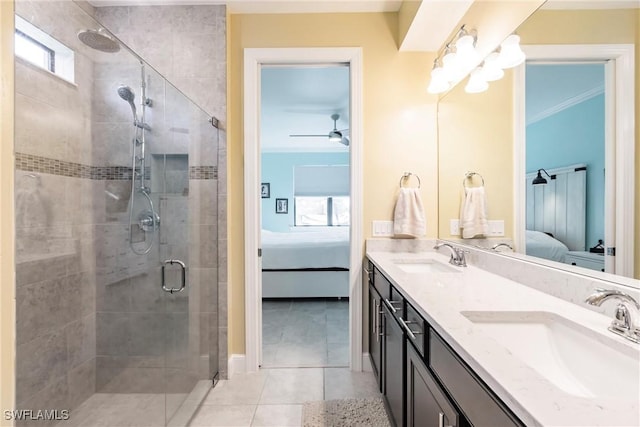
(510, 53)
(451, 66)
(476, 83)
(439, 82)
(335, 136)
(467, 55)
(490, 69)
(438, 86)
(539, 179)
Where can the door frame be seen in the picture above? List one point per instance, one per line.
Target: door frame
(254, 58)
(619, 145)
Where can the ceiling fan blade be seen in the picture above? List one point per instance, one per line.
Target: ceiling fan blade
(309, 136)
(345, 141)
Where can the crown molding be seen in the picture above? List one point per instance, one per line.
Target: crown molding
(574, 100)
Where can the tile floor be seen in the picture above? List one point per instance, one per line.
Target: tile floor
(274, 397)
(119, 409)
(305, 333)
(305, 358)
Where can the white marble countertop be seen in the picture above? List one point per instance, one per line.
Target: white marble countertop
(441, 297)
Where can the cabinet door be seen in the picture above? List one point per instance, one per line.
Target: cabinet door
(427, 405)
(393, 367)
(477, 402)
(375, 334)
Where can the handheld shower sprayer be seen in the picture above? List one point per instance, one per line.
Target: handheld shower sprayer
(126, 93)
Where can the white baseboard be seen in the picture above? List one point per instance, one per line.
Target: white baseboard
(366, 363)
(237, 364)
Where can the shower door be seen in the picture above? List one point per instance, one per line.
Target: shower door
(181, 275)
(167, 328)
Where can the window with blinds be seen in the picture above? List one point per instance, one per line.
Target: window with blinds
(321, 195)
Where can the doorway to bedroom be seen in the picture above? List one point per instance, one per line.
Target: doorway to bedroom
(305, 198)
(619, 142)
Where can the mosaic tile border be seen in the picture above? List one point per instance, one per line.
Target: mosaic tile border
(203, 172)
(32, 163)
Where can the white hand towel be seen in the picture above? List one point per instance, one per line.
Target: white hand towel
(408, 217)
(473, 213)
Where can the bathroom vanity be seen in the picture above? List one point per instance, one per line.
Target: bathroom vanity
(460, 346)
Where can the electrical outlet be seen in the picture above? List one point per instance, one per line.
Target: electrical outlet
(382, 228)
(454, 227)
(496, 228)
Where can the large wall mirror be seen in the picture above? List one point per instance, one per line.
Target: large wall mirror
(557, 118)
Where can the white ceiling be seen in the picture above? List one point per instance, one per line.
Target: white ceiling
(301, 100)
(591, 4)
(552, 88)
(271, 6)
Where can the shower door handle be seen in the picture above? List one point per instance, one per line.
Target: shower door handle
(183, 276)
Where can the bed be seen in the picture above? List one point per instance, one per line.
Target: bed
(556, 213)
(305, 264)
(542, 245)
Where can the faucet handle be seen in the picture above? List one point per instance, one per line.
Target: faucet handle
(625, 323)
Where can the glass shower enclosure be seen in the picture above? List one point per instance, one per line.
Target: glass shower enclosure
(116, 186)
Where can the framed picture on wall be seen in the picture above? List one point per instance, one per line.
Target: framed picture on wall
(282, 206)
(265, 190)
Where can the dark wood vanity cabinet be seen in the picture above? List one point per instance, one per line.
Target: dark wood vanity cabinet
(480, 406)
(427, 405)
(393, 370)
(376, 329)
(424, 382)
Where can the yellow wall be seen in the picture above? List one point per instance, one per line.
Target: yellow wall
(399, 120)
(463, 148)
(7, 288)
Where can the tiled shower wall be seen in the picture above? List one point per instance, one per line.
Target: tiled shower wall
(55, 260)
(187, 44)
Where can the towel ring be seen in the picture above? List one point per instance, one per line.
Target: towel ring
(407, 175)
(469, 176)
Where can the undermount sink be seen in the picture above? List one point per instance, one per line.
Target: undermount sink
(426, 265)
(578, 360)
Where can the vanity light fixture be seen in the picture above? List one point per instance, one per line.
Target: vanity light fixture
(439, 82)
(490, 69)
(477, 82)
(510, 53)
(458, 56)
(466, 53)
(450, 63)
(540, 179)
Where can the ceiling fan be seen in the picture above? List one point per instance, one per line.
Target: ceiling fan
(334, 135)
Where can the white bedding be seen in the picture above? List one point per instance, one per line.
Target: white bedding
(307, 249)
(542, 245)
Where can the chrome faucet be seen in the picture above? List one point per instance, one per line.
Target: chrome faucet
(624, 322)
(497, 245)
(457, 255)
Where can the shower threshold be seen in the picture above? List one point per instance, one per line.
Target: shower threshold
(137, 409)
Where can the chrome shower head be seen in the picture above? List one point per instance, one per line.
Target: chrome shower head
(127, 94)
(99, 40)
